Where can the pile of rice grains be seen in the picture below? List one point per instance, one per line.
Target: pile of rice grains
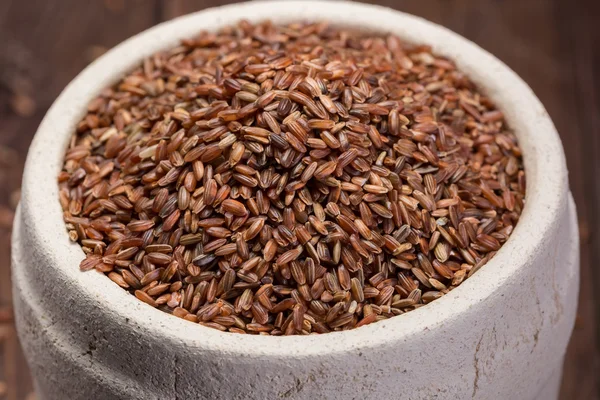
(296, 179)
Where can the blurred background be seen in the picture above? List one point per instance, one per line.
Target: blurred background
(554, 45)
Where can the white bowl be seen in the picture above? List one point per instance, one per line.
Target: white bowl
(501, 334)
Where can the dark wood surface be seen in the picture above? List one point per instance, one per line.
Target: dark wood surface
(551, 44)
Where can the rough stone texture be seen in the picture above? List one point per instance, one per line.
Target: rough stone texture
(501, 334)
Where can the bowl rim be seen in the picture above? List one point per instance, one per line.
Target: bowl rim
(543, 157)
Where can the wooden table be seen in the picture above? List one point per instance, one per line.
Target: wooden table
(552, 44)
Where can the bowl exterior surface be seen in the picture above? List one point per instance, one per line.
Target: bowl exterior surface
(508, 346)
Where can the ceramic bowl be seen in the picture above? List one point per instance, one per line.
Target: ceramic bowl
(501, 334)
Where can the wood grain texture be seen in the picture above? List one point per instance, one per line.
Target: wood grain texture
(551, 44)
(576, 113)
